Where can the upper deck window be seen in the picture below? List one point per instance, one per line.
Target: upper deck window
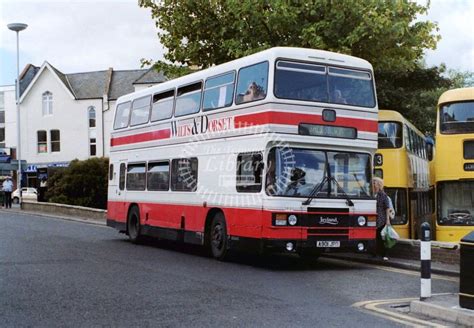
(122, 116)
(390, 135)
(140, 111)
(219, 91)
(162, 106)
(188, 99)
(457, 118)
(252, 83)
(312, 82)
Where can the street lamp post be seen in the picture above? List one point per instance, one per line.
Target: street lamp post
(18, 27)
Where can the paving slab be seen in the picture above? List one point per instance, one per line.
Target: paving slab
(444, 307)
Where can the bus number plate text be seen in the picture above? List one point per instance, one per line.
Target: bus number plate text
(325, 243)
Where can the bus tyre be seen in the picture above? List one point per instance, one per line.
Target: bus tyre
(133, 225)
(218, 237)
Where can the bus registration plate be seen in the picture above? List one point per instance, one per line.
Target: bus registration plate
(328, 244)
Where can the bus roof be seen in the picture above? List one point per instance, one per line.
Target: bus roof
(456, 95)
(300, 54)
(394, 116)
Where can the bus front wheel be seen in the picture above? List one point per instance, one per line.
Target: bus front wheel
(218, 237)
(133, 225)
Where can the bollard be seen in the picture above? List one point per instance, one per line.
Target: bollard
(425, 257)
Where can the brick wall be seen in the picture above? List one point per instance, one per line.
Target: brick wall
(440, 252)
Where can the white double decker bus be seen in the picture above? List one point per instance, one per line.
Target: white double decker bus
(272, 151)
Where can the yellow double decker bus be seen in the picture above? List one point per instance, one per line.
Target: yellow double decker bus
(401, 161)
(454, 165)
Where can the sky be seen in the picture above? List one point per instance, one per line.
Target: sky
(82, 36)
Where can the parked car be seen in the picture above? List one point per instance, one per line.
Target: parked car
(30, 194)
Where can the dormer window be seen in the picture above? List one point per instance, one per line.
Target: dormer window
(47, 103)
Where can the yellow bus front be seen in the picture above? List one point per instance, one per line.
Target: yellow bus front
(454, 165)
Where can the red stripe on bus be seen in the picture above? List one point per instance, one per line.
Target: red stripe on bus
(295, 119)
(141, 137)
(252, 223)
(255, 119)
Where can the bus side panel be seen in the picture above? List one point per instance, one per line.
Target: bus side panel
(116, 211)
(244, 222)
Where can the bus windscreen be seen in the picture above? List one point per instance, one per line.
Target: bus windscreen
(295, 172)
(390, 135)
(457, 118)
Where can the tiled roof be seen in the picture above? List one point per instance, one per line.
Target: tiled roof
(27, 76)
(88, 85)
(122, 82)
(92, 85)
(151, 76)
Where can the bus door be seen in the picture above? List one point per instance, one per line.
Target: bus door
(413, 214)
(120, 192)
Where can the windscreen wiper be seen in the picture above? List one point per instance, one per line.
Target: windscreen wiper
(316, 190)
(360, 185)
(339, 188)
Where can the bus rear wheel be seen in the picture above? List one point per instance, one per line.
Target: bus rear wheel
(133, 225)
(218, 237)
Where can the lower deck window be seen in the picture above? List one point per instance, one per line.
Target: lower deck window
(158, 176)
(399, 201)
(249, 172)
(136, 177)
(184, 174)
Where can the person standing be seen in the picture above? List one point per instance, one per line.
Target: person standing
(383, 216)
(8, 189)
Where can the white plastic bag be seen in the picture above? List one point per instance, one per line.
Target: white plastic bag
(392, 233)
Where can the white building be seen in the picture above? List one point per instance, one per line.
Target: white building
(69, 116)
(7, 117)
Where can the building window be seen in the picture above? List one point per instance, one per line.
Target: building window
(42, 142)
(2, 116)
(47, 103)
(55, 138)
(2, 137)
(2, 100)
(93, 146)
(91, 112)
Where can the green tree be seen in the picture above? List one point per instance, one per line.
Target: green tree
(202, 33)
(82, 183)
(208, 32)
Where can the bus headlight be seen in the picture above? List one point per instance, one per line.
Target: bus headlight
(292, 219)
(361, 221)
(360, 247)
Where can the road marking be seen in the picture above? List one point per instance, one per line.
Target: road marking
(373, 307)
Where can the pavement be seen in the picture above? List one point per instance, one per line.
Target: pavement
(443, 307)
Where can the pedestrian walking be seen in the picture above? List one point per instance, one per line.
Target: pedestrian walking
(383, 216)
(7, 188)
